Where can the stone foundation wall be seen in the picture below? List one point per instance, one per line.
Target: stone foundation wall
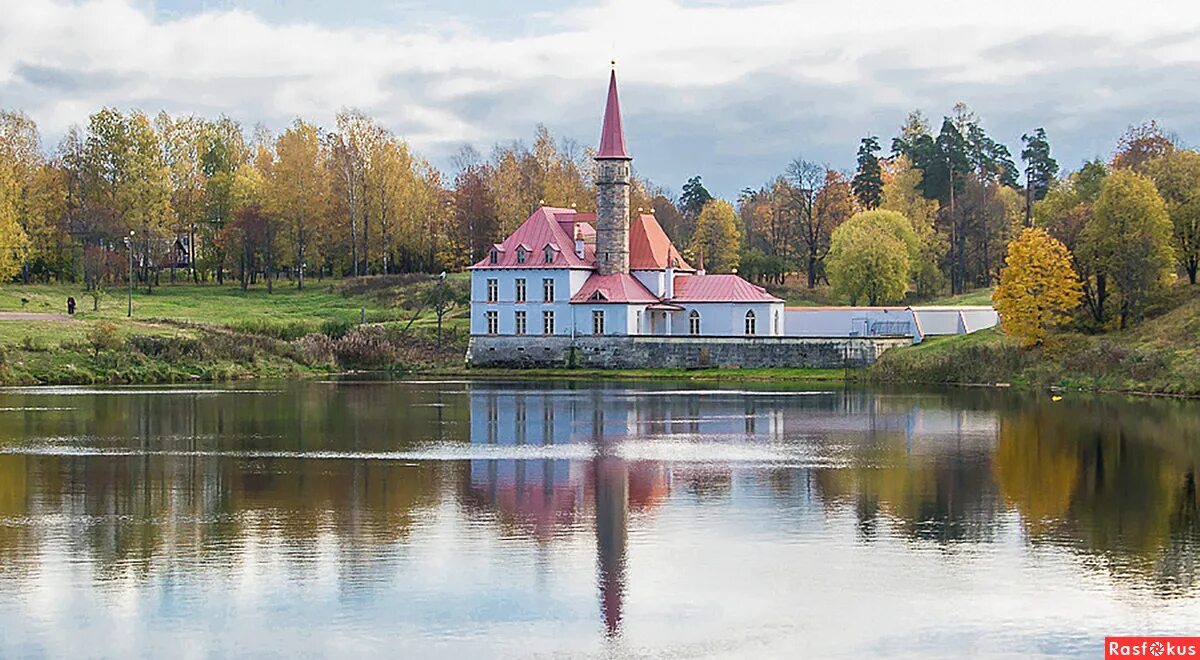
(677, 352)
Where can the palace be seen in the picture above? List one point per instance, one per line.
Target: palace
(569, 274)
(604, 289)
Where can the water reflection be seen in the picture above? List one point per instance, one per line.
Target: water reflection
(492, 518)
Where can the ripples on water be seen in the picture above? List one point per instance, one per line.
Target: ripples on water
(468, 519)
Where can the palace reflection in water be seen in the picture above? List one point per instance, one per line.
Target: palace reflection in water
(509, 519)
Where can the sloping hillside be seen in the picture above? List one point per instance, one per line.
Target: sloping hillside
(1159, 355)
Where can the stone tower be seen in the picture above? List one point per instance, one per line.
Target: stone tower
(612, 185)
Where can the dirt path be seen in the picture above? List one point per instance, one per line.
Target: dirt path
(35, 316)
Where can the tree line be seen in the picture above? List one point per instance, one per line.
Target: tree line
(217, 201)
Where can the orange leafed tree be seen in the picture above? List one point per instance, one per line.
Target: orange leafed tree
(1038, 286)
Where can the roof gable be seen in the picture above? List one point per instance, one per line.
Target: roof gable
(614, 288)
(650, 248)
(544, 227)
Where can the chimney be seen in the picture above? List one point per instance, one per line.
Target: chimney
(700, 263)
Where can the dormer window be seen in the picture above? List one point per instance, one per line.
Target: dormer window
(521, 255)
(598, 295)
(494, 257)
(548, 254)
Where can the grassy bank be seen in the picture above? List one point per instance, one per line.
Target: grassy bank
(187, 332)
(1161, 355)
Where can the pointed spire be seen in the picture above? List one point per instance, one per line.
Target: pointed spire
(612, 135)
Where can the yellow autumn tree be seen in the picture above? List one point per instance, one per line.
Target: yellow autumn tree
(13, 242)
(1038, 286)
(717, 237)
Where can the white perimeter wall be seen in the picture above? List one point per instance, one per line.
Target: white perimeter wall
(848, 322)
(915, 322)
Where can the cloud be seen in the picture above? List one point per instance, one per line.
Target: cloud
(732, 92)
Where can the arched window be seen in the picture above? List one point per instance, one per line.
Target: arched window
(694, 323)
(750, 325)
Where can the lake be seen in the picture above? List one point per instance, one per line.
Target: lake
(590, 519)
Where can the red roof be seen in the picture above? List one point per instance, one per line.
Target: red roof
(544, 227)
(718, 288)
(649, 247)
(614, 288)
(612, 135)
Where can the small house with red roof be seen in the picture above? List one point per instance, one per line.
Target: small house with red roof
(568, 274)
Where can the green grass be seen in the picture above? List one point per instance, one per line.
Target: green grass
(209, 304)
(976, 297)
(212, 332)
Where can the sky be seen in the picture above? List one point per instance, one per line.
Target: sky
(731, 91)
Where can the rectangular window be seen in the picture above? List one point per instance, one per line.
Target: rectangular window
(519, 318)
(547, 323)
(520, 255)
(638, 329)
(493, 290)
(493, 323)
(597, 322)
(521, 289)
(548, 289)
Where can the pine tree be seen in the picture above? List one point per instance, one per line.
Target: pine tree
(868, 180)
(1040, 169)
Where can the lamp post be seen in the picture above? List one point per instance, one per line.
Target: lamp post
(129, 245)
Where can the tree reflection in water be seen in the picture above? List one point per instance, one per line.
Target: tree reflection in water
(202, 479)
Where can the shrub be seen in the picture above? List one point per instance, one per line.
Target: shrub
(315, 350)
(365, 347)
(103, 337)
(167, 348)
(336, 328)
